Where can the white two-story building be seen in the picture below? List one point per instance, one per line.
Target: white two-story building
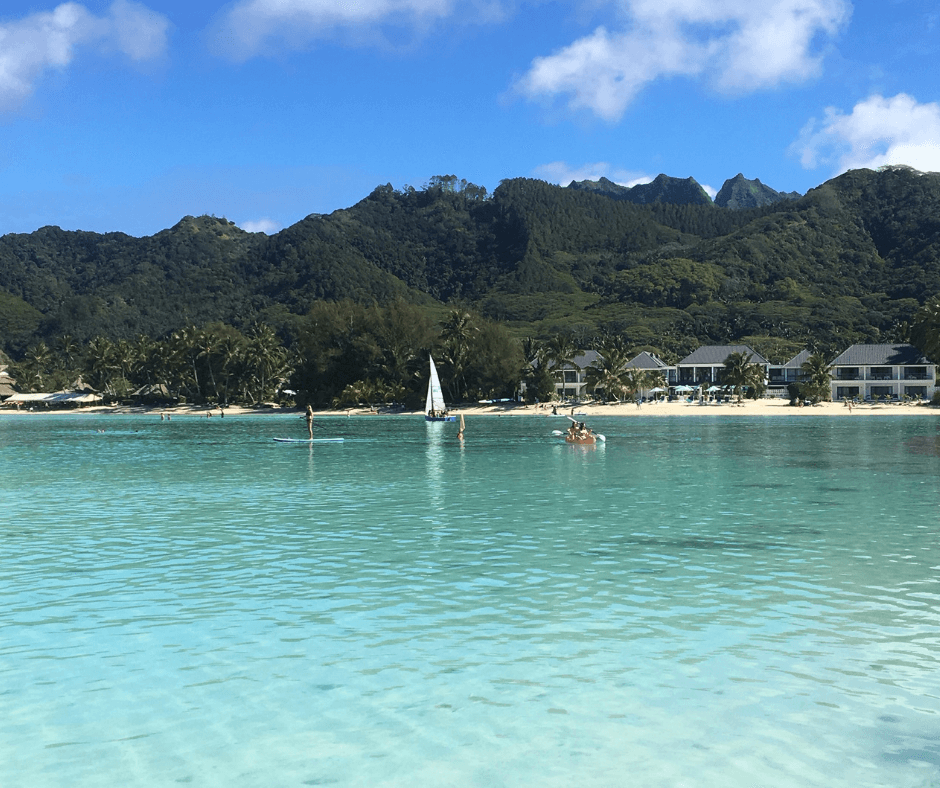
(873, 372)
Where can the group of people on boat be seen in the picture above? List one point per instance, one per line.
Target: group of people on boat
(578, 433)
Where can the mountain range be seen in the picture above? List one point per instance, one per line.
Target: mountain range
(736, 193)
(660, 264)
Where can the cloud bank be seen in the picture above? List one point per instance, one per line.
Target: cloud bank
(737, 46)
(33, 45)
(260, 27)
(877, 132)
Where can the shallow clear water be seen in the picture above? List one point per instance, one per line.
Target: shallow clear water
(732, 602)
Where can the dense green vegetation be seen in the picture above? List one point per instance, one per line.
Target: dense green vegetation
(851, 261)
(345, 354)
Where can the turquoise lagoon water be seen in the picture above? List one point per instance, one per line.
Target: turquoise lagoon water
(739, 601)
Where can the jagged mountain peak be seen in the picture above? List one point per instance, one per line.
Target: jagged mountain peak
(739, 192)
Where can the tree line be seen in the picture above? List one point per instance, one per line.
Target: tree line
(347, 354)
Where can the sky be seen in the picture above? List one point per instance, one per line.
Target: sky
(127, 116)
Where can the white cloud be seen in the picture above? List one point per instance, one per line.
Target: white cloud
(138, 32)
(35, 44)
(737, 45)
(562, 173)
(254, 27)
(877, 132)
(267, 226)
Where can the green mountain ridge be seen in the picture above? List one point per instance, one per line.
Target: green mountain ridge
(849, 261)
(662, 189)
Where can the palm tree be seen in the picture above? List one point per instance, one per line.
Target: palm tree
(739, 372)
(100, 364)
(818, 381)
(925, 333)
(456, 334)
(266, 363)
(33, 370)
(69, 349)
(558, 352)
(184, 350)
(611, 373)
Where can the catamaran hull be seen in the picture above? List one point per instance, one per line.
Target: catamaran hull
(440, 418)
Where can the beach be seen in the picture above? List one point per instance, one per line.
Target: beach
(679, 408)
(675, 409)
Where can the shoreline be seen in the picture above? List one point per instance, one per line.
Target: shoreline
(775, 407)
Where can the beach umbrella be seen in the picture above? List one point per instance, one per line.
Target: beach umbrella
(657, 390)
(684, 388)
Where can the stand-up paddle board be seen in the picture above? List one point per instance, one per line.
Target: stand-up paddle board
(309, 440)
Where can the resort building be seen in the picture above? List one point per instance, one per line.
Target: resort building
(780, 376)
(571, 378)
(648, 362)
(706, 364)
(873, 372)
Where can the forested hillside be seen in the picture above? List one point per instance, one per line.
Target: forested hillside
(850, 261)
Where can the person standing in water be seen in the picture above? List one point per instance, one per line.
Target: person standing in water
(309, 417)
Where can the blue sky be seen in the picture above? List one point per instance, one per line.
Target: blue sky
(127, 116)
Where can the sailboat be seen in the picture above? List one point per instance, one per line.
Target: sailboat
(434, 407)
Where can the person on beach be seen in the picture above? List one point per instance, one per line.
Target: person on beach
(309, 417)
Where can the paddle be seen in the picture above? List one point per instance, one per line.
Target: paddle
(596, 434)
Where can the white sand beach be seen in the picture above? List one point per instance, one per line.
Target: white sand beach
(762, 407)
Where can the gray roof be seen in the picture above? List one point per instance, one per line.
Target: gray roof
(647, 360)
(582, 360)
(880, 356)
(798, 360)
(715, 355)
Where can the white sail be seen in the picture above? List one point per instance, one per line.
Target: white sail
(435, 400)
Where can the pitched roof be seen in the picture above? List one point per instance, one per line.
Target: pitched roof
(581, 361)
(647, 360)
(715, 355)
(880, 355)
(798, 360)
